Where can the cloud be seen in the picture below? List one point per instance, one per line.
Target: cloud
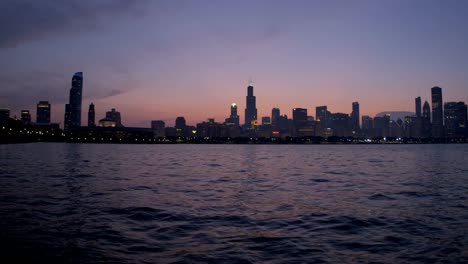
(19, 90)
(24, 21)
(22, 89)
(113, 92)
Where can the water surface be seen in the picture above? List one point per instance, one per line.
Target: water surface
(85, 203)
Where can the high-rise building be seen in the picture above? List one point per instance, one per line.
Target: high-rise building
(91, 116)
(437, 113)
(321, 113)
(355, 116)
(275, 116)
(417, 101)
(382, 125)
(25, 117)
(180, 126)
(158, 127)
(43, 112)
(4, 115)
(413, 127)
(251, 108)
(73, 108)
(233, 119)
(367, 122)
(115, 116)
(426, 120)
(180, 122)
(299, 118)
(340, 123)
(234, 116)
(455, 117)
(284, 123)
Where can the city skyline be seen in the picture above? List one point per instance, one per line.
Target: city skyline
(76, 91)
(193, 60)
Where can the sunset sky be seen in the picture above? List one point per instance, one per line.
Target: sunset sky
(162, 59)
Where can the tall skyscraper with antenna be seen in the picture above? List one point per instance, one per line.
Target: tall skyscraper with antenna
(437, 113)
(251, 108)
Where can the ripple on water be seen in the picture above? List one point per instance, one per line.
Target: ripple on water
(195, 204)
(380, 196)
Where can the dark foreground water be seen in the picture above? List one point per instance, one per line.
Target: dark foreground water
(71, 203)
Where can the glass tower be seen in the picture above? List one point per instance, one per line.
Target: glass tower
(73, 108)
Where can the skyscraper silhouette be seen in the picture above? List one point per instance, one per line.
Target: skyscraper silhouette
(4, 115)
(455, 116)
(426, 116)
(355, 116)
(158, 127)
(437, 113)
(234, 117)
(91, 116)
(417, 101)
(299, 117)
(275, 117)
(73, 108)
(251, 108)
(43, 112)
(321, 113)
(180, 122)
(25, 117)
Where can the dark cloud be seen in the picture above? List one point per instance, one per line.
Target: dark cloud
(113, 92)
(21, 89)
(24, 21)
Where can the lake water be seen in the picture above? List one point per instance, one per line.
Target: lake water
(85, 203)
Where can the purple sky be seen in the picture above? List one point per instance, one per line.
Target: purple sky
(162, 59)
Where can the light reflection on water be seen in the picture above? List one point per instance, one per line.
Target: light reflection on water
(235, 203)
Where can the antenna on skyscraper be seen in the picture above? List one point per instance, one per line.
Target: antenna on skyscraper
(250, 81)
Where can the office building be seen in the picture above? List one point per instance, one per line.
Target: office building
(158, 127)
(355, 116)
(367, 122)
(91, 116)
(180, 122)
(25, 117)
(437, 113)
(300, 122)
(299, 117)
(340, 124)
(455, 117)
(4, 115)
(180, 126)
(321, 113)
(417, 101)
(251, 108)
(275, 116)
(73, 108)
(426, 120)
(233, 119)
(43, 110)
(382, 126)
(266, 121)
